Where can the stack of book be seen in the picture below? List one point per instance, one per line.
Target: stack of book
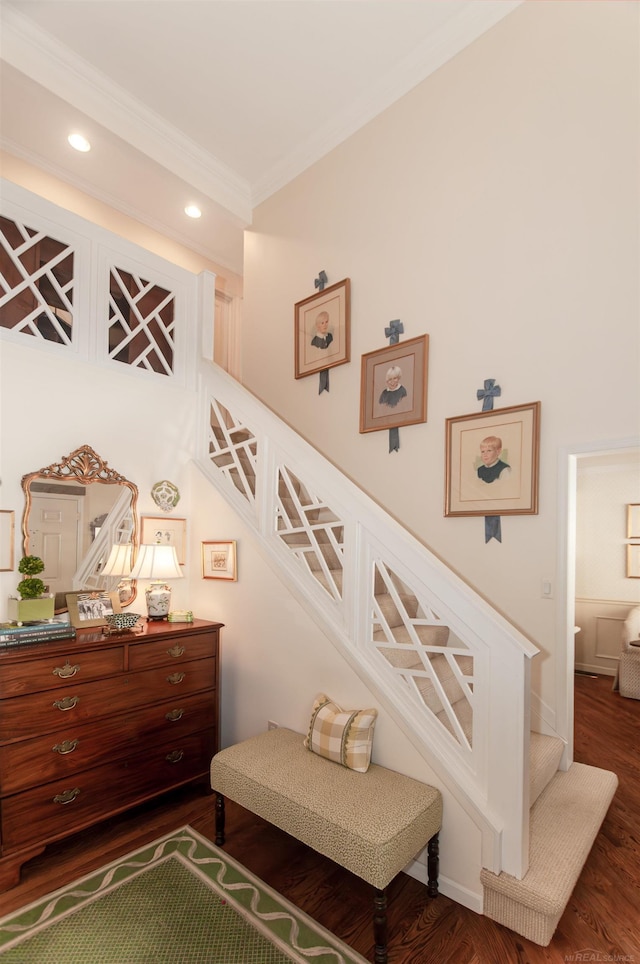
(18, 634)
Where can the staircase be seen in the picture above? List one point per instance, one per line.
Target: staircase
(567, 810)
(452, 673)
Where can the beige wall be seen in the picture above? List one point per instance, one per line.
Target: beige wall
(496, 208)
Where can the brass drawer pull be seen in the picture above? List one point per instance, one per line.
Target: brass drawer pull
(175, 678)
(67, 703)
(175, 756)
(176, 651)
(67, 797)
(67, 746)
(66, 671)
(174, 715)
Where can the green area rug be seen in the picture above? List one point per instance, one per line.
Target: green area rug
(179, 900)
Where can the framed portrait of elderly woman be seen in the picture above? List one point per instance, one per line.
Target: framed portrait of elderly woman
(492, 462)
(322, 330)
(393, 385)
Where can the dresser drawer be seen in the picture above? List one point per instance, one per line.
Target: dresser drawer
(47, 812)
(52, 672)
(74, 747)
(51, 711)
(145, 655)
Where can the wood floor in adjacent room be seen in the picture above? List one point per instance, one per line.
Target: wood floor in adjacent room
(600, 924)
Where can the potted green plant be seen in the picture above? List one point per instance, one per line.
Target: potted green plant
(33, 604)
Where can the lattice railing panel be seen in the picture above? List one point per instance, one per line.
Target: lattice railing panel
(433, 665)
(141, 323)
(36, 283)
(233, 449)
(312, 531)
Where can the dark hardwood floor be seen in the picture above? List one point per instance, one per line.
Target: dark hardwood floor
(601, 922)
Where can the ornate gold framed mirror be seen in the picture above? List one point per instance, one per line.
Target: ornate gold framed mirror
(75, 512)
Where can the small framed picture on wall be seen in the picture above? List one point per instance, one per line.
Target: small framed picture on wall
(219, 561)
(165, 531)
(633, 520)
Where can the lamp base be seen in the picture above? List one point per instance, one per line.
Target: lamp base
(158, 596)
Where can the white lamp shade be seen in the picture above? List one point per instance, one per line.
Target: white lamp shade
(157, 562)
(119, 561)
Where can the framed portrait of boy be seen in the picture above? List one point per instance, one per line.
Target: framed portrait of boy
(393, 385)
(322, 330)
(492, 462)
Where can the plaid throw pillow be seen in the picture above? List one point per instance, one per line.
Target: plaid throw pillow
(344, 736)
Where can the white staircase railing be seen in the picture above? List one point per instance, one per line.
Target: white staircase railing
(452, 672)
(116, 527)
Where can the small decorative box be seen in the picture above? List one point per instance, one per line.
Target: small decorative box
(180, 616)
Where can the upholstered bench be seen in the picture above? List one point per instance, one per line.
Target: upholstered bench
(372, 823)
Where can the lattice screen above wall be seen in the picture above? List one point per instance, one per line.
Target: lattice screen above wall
(36, 283)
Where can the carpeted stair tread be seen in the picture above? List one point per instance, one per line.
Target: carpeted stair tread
(545, 753)
(565, 821)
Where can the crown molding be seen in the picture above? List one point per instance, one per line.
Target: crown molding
(441, 46)
(51, 64)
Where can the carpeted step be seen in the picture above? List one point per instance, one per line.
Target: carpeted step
(565, 821)
(545, 753)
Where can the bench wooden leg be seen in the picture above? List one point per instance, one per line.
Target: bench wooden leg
(219, 819)
(380, 926)
(433, 865)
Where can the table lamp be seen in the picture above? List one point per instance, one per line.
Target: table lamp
(119, 564)
(157, 563)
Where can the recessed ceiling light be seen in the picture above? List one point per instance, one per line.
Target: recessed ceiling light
(79, 143)
(193, 211)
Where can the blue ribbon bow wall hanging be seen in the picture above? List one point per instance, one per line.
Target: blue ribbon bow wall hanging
(393, 331)
(492, 523)
(323, 375)
(488, 393)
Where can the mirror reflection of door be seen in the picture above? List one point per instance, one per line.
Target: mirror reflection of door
(54, 528)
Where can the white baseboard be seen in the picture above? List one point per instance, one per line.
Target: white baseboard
(595, 670)
(449, 888)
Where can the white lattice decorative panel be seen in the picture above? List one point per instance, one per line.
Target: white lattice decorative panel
(36, 283)
(233, 450)
(312, 531)
(434, 666)
(141, 323)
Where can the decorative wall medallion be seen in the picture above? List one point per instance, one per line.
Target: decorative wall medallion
(165, 495)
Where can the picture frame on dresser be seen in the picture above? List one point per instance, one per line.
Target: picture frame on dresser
(87, 609)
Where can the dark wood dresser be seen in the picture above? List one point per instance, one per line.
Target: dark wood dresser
(94, 725)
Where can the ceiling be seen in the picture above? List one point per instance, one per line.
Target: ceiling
(214, 102)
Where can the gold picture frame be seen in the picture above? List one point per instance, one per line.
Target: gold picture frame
(166, 531)
(633, 560)
(7, 540)
(220, 560)
(322, 330)
(88, 608)
(633, 520)
(506, 485)
(393, 385)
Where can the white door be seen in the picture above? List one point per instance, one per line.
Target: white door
(53, 535)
